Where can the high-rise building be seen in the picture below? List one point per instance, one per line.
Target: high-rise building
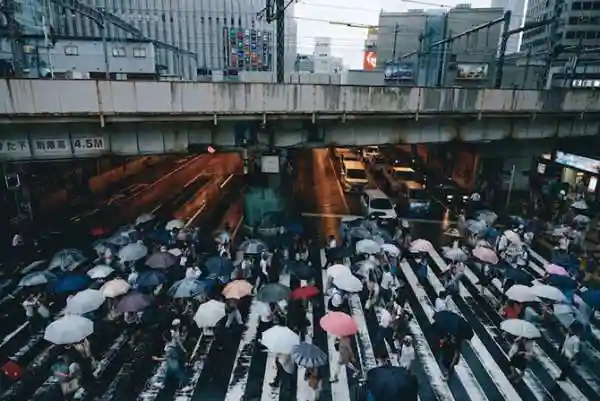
(517, 9)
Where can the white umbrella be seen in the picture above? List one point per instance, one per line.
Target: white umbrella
(175, 252)
(338, 270)
(36, 278)
(581, 219)
(476, 226)
(420, 245)
(347, 283)
(209, 314)
(85, 301)
(363, 267)
(487, 216)
(144, 218)
(391, 249)
(521, 293)
(565, 314)
(548, 292)
(520, 328)
(368, 246)
(178, 224)
(115, 288)
(454, 253)
(69, 329)
(580, 205)
(280, 340)
(512, 236)
(132, 252)
(100, 271)
(33, 266)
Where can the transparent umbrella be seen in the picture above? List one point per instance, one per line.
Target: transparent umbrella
(36, 278)
(133, 252)
(69, 329)
(85, 301)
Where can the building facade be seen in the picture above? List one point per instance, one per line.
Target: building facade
(517, 9)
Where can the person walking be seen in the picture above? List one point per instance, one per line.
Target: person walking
(568, 353)
(346, 358)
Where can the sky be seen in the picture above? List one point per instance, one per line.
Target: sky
(312, 17)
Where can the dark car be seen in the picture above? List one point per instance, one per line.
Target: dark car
(451, 194)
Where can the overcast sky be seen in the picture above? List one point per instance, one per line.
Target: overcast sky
(348, 42)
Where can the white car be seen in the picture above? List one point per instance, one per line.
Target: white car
(374, 201)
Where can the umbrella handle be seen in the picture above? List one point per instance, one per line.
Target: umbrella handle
(196, 347)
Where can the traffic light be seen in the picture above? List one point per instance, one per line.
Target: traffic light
(12, 181)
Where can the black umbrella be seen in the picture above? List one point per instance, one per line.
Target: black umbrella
(218, 266)
(446, 322)
(519, 276)
(339, 253)
(273, 292)
(562, 282)
(301, 270)
(392, 383)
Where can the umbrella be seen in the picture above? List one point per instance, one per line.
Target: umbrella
(518, 220)
(454, 253)
(581, 219)
(557, 269)
(339, 324)
(476, 226)
(174, 224)
(452, 232)
(84, 302)
(363, 267)
(237, 289)
(565, 314)
(273, 292)
(115, 288)
(521, 293)
(305, 292)
(421, 245)
(209, 313)
(280, 340)
(368, 246)
(301, 270)
(339, 253)
(309, 356)
(348, 283)
(36, 278)
(359, 232)
(175, 252)
(548, 292)
(103, 246)
(151, 278)
(350, 220)
(487, 216)
(579, 205)
(253, 247)
(391, 383)
(132, 252)
(446, 322)
(562, 282)
(33, 266)
(100, 271)
(70, 283)
(218, 266)
(69, 329)
(338, 270)
(592, 298)
(187, 288)
(391, 250)
(486, 255)
(520, 328)
(66, 259)
(144, 218)
(518, 276)
(134, 302)
(512, 236)
(161, 260)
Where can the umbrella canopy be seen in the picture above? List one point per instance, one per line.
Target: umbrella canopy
(519, 276)
(237, 289)
(85, 301)
(134, 302)
(305, 292)
(218, 266)
(115, 288)
(562, 282)
(33, 266)
(209, 314)
(581, 219)
(175, 252)
(512, 236)
(548, 292)
(421, 245)
(368, 246)
(70, 283)
(102, 247)
(565, 314)
(253, 247)
(446, 322)
(475, 226)
(339, 324)
(301, 270)
(69, 329)
(363, 267)
(161, 260)
(359, 232)
(175, 224)
(132, 252)
(521, 293)
(36, 278)
(273, 292)
(520, 328)
(187, 288)
(100, 271)
(309, 356)
(391, 383)
(592, 298)
(66, 259)
(556, 269)
(579, 205)
(339, 253)
(149, 279)
(455, 254)
(338, 270)
(348, 283)
(391, 250)
(280, 340)
(487, 216)
(486, 255)
(144, 218)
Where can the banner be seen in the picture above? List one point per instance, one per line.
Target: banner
(399, 71)
(578, 162)
(472, 71)
(369, 60)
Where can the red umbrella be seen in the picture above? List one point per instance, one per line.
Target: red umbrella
(305, 292)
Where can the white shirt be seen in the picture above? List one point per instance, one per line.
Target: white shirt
(571, 347)
(385, 319)
(332, 243)
(337, 300)
(387, 281)
(29, 306)
(265, 313)
(440, 305)
(407, 357)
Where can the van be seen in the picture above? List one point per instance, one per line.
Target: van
(375, 201)
(398, 175)
(354, 176)
(415, 197)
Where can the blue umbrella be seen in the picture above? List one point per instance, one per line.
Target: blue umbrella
(220, 267)
(253, 247)
(187, 288)
(150, 278)
(66, 259)
(562, 282)
(592, 298)
(70, 283)
(446, 322)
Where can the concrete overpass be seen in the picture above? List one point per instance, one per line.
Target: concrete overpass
(62, 119)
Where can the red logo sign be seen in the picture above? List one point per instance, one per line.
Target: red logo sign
(370, 60)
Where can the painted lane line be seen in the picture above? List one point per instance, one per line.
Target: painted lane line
(155, 384)
(304, 391)
(271, 393)
(463, 371)
(340, 391)
(13, 334)
(205, 343)
(485, 358)
(366, 356)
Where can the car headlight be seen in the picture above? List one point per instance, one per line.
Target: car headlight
(465, 197)
(449, 197)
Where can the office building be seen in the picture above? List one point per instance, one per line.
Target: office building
(322, 55)
(517, 9)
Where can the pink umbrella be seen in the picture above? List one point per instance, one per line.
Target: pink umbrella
(556, 269)
(486, 255)
(421, 245)
(339, 324)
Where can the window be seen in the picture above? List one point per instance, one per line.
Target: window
(118, 52)
(381, 204)
(139, 52)
(71, 51)
(576, 5)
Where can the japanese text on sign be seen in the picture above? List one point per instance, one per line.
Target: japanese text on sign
(51, 145)
(14, 146)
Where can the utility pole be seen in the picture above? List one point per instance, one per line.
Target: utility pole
(396, 27)
(276, 12)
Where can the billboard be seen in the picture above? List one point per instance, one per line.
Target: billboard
(471, 71)
(398, 71)
(248, 49)
(369, 60)
(578, 162)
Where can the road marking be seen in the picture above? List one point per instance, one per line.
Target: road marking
(303, 390)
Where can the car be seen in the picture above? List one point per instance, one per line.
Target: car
(369, 153)
(397, 175)
(354, 176)
(376, 202)
(451, 194)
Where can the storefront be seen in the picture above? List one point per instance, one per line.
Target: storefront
(578, 171)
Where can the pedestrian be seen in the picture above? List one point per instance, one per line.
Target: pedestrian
(518, 355)
(373, 288)
(285, 369)
(407, 354)
(441, 302)
(336, 300)
(346, 358)
(233, 313)
(314, 378)
(422, 269)
(387, 285)
(263, 272)
(569, 351)
(449, 355)
(174, 359)
(385, 331)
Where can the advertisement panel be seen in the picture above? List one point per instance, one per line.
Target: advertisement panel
(472, 71)
(369, 60)
(248, 49)
(578, 162)
(398, 71)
